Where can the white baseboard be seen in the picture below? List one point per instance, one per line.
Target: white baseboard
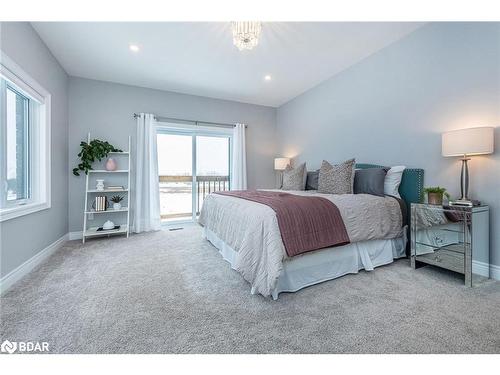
(75, 235)
(495, 272)
(18, 273)
(482, 269)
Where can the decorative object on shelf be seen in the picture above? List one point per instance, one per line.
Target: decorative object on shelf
(115, 188)
(435, 195)
(467, 142)
(280, 165)
(111, 165)
(116, 199)
(108, 225)
(99, 185)
(100, 204)
(246, 34)
(92, 151)
(114, 229)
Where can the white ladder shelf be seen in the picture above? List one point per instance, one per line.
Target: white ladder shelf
(87, 211)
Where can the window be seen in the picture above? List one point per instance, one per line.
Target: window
(24, 143)
(18, 150)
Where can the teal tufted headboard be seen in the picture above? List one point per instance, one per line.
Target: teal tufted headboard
(410, 189)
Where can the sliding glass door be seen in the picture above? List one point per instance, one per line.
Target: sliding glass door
(192, 163)
(175, 169)
(212, 166)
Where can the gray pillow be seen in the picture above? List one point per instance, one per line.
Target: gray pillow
(336, 179)
(312, 180)
(294, 178)
(370, 181)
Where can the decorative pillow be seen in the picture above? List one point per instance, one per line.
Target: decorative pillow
(392, 180)
(312, 180)
(336, 179)
(294, 178)
(370, 181)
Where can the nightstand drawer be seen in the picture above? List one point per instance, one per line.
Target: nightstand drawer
(451, 260)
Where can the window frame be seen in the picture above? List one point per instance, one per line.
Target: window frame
(39, 126)
(28, 152)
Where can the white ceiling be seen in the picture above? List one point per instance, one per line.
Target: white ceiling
(199, 58)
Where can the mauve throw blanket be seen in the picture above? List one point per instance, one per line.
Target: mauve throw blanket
(305, 223)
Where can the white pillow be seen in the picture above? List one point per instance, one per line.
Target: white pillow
(392, 180)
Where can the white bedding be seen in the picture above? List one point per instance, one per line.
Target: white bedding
(251, 230)
(324, 264)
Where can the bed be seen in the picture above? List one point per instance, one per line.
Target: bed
(248, 236)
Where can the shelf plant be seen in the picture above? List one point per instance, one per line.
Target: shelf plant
(435, 194)
(116, 199)
(95, 150)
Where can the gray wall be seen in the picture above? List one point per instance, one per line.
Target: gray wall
(105, 109)
(23, 237)
(391, 108)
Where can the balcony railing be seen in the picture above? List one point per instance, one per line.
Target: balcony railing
(204, 186)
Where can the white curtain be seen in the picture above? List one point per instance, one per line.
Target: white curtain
(147, 189)
(239, 170)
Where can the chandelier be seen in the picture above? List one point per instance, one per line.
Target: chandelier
(246, 34)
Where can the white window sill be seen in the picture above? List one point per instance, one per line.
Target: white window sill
(21, 210)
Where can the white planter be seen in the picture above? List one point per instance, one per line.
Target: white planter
(117, 206)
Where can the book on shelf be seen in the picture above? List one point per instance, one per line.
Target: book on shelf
(115, 187)
(100, 204)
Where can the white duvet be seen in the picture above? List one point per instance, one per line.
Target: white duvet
(252, 230)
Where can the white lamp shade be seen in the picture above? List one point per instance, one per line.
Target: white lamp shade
(281, 163)
(472, 141)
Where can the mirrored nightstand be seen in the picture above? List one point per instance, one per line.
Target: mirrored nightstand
(455, 238)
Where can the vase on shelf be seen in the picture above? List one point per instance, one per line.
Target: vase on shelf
(99, 185)
(117, 206)
(111, 165)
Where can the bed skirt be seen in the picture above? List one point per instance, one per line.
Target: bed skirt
(326, 264)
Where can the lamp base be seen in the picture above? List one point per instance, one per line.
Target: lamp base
(465, 203)
(464, 181)
(279, 183)
(462, 203)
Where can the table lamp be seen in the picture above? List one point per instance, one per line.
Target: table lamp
(280, 165)
(465, 143)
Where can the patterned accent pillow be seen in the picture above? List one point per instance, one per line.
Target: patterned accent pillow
(336, 179)
(294, 178)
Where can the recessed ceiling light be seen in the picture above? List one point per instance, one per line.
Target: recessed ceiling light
(267, 77)
(133, 47)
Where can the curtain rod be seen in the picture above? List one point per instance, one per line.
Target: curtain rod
(194, 122)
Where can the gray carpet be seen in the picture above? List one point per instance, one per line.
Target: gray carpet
(171, 292)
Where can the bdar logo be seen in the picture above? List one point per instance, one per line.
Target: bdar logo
(8, 347)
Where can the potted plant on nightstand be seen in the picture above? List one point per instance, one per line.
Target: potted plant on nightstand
(116, 199)
(435, 195)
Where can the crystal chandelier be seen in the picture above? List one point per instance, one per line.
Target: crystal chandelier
(246, 34)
